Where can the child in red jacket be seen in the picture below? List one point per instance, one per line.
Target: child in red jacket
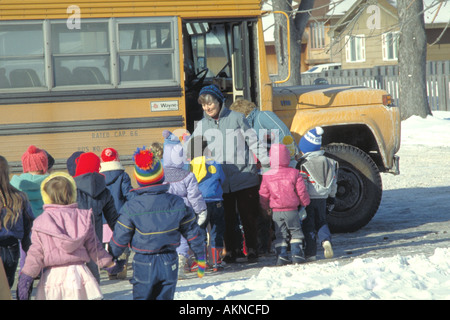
(283, 190)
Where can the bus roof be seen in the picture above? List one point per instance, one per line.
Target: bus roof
(60, 9)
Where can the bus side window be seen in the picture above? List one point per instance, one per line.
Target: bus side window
(23, 78)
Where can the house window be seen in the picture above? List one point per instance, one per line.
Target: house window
(317, 30)
(355, 48)
(390, 46)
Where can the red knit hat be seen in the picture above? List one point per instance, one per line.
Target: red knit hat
(109, 154)
(86, 163)
(34, 159)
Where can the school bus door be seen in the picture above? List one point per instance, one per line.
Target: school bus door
(217, 52)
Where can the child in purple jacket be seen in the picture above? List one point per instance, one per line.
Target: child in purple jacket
(283, 190)
(183, 183)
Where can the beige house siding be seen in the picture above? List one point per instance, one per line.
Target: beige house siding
(373, 37)
(373, 48)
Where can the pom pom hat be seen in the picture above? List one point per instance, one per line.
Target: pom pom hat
(110, 160)
(311, 141)
(148, 170)
(34, 159)
(109, 154)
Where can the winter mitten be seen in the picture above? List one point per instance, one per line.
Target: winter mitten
(201, 262)
(24, 287)
(202, 217)
(330, 204)
(117, 267)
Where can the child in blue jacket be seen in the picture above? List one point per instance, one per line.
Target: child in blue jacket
(151, 223)
(118, 182)
(210, 177)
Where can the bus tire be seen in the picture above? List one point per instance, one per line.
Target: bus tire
(359, 189)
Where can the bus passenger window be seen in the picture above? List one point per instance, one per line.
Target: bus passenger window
(81, 57)
(21, 55)
(146, 51)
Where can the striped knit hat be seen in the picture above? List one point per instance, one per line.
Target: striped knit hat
(214, 91)
(311, 141)
(148, 170)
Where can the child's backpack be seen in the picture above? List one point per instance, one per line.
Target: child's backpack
(319, 174)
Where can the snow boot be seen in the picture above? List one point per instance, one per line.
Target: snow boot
(297, 254)
(283, 258)
(252, 256)
(216, 259)
(230, 257)
(327, 249)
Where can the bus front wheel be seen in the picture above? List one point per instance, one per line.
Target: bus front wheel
(359, 189)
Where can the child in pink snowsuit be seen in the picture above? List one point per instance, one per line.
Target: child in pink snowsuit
(283, 190)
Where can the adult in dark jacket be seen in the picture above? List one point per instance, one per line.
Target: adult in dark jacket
(151, 223)
(93, 194)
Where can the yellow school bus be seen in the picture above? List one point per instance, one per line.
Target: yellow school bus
(86, 75)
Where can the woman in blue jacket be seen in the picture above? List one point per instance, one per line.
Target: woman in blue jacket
(234, 145)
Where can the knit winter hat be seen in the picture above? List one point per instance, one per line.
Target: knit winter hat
(173, 155)
(50, 159)
(71, 165)
(213, 91)
(311, 141)
(87, 163)
(109, 154)
(110, 160)
(34, 159)
(148, 170)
